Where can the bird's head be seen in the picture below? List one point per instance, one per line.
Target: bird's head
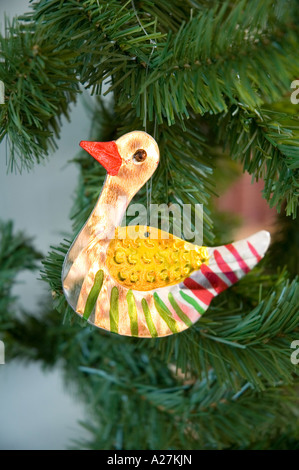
(132, 158)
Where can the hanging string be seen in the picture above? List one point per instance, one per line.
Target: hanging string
(151, 178)
(147, 203)
(148, 186)
(152, 41)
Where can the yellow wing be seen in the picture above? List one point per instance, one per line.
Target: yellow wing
(145, 258)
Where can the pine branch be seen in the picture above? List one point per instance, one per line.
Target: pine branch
(267, 143)
(186, 416)
(145, 67)
(104, 33)
(224, 54)
(219, 57)
(40, 83)
(171, 411)
(284, 248)
(281, 441)
(16, 254)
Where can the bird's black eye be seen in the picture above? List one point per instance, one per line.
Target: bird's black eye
(139, 156)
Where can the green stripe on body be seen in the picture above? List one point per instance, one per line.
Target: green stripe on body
(192, 302)
(148, 319)
(165, 314)
(179, 311)
(132, 310)
(93, 294)
(114, 312)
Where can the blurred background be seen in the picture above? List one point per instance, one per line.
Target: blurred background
(36, 411)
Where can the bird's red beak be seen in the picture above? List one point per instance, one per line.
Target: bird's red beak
(106, 153)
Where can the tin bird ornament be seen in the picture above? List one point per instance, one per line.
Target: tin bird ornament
(139, 280)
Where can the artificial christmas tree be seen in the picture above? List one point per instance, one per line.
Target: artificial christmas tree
(210, 81)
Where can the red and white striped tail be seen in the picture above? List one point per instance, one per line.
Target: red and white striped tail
(227, 264)
(231, 262)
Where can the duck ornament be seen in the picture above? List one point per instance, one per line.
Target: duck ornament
(138, 280)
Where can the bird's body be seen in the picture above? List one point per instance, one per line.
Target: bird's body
(138, 280)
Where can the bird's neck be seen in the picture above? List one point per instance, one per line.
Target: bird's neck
(111, 207)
